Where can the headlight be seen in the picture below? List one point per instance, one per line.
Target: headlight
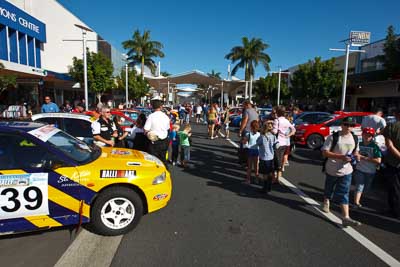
(159, 179)
(150, 157)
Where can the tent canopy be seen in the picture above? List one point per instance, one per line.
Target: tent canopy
(194, 77)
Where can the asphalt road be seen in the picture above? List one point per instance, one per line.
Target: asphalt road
(213, 219)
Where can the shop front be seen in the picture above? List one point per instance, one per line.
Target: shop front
(22, 39)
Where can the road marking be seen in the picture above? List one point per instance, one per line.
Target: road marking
(230, 141)
(380, 253)
(89, 249)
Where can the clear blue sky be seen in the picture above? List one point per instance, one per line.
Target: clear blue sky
(198, 34)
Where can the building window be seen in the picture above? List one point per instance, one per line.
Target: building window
(3, 43)
(38, 61)
(22, 48)
(31, 52)
(12, 36)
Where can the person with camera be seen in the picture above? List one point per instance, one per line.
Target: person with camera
(341, 150)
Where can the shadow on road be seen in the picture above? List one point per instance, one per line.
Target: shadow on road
(216, 161)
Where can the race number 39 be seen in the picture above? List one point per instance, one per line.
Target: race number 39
(23, 195)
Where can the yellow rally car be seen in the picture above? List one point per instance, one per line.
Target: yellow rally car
(49, 178)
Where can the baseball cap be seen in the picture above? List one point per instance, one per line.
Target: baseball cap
(157, 97)
(369, 130)
(349, 120)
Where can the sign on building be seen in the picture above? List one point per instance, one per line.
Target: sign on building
(359, 38)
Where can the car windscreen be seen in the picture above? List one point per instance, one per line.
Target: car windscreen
(132, 115)
(74, 148)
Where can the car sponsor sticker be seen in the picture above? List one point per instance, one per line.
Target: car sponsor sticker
(23, 195)
(44, 133)
(117, 173)
(120, 152)
(159, 197)
(130, 163)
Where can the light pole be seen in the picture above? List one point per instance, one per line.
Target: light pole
(279, 83)
(251, 88)
(84, 41)
(357, 38)
(126, 85)
(126, 81)
(170, 91)
(222, 92)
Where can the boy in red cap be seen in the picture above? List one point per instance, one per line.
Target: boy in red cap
(369, 158)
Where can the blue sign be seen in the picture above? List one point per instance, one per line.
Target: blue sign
(19, 20)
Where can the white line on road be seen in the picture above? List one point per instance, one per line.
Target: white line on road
(89, 249)
(380, 253)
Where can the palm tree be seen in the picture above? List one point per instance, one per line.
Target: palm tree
(141, 50)
(249, 56)
(214, 74)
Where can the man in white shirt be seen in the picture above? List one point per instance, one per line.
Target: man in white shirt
(104, 130)
(374, 121)
(198, 113)
(156, 128)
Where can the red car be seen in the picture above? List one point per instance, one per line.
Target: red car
(314, 135)
(128, 116)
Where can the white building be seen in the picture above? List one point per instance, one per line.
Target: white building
(33, 47)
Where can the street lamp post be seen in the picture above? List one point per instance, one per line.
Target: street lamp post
(126, 85)
(346, 65)
(85, 70)
(279, 83)
(170, 91)
(357, 38)
(84, 42)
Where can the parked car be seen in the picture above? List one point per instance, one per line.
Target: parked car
(51, 179)
(311, 117)
(314, 135)
(77, 125)
(264, 113)
(235, 111)
(127, 116)
(131, 113)
(145, 111)
(235, 120)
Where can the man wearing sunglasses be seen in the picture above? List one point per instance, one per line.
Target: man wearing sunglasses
(338, 168)
(49, 106)
(104, 130)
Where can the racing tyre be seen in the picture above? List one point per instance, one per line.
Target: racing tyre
(315, 141)
(116, 211)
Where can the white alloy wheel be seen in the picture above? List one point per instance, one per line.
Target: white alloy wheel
(117, 213)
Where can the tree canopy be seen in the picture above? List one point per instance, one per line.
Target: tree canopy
(6, 80)
(142, 50)
(99, 72)
(137, 87)
(249, 55)
(214, 74)
(392, 52)
(316, 79)
(266, 89)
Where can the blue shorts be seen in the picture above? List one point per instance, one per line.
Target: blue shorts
(363, 180)
(253, 153)
(266, 166)
(338, 187)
